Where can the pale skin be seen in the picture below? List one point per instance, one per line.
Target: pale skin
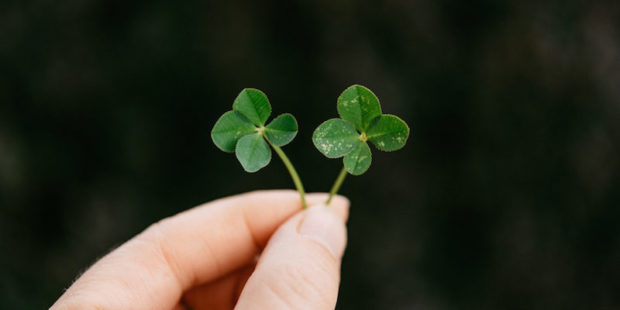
(257, 250)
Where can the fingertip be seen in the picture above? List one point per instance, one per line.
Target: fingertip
(300, 267)
(325, 226)
(341, 205)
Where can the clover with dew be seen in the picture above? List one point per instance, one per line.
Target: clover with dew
(361, 121)
(243, 131)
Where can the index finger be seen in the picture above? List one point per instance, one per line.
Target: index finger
(152, 270)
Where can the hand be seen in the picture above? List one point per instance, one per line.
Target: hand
(206, 258)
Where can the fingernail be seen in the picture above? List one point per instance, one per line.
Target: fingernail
(324, 226)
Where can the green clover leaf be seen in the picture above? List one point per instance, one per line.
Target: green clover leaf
(335, 138)
(253, 152)
(243, 130)
(358, 160)
(358, 105)
(389, 133)
(254, 105)
(361, 121)
(229, 129)
(282, 129)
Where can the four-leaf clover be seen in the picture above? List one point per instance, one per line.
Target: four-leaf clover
(243, 130)
(361, 121)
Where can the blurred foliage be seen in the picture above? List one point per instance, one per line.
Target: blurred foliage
(506, 197)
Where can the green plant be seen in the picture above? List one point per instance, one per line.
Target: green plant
(244, 132)
(361, 120)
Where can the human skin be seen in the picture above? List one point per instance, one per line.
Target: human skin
(257, 250)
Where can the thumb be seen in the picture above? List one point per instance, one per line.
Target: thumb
(300, 267)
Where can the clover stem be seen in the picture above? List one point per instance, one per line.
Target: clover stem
(337, 184)
(293, 172)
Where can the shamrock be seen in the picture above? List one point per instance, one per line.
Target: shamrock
(361, 121)
(243, 130)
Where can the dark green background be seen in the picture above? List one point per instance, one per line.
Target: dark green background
(507, 195)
